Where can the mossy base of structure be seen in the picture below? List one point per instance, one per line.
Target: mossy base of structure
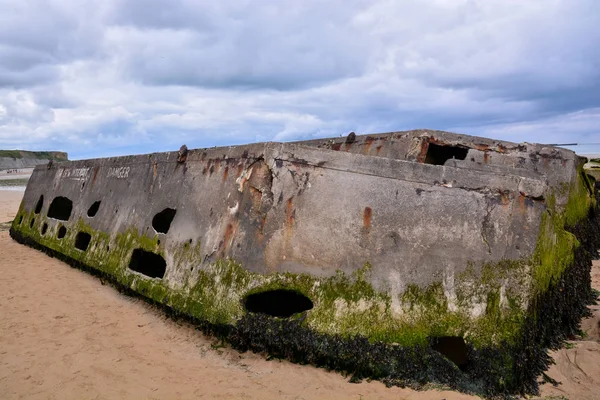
(494, 372)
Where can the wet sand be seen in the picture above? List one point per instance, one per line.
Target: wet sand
(64, 335)
(14, 181)
(16, 174)
(577, 367)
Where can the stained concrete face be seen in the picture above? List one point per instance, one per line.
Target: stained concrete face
(301, 208)
(411, 215)
(557, 165)
(289, 207)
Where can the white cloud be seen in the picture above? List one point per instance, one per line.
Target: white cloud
(125, 76)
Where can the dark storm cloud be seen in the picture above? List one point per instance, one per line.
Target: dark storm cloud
(37, 37)
(164, 14)
(553, 60)
(29, 77)
(23, 67)
(20, 58)
(279, 46)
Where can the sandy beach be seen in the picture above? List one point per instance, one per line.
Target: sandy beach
(64, 335)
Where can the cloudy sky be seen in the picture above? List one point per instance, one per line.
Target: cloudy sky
(113, 77)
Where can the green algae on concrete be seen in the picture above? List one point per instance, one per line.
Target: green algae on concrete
(556, 245)
(346, 305)
(486, 308)
(431, 274)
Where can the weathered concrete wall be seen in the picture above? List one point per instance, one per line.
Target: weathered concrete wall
(385, 244)
(558, 165)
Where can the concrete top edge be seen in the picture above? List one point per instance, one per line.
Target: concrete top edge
(337, 160)
(459, 139)
(451, 137)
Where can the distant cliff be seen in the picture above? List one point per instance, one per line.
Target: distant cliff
(16, 159)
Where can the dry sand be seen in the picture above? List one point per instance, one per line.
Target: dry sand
(63, 335)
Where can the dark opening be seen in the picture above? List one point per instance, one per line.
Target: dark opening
(438, 155)
(93, 209)
(278, 303)
(147, 263)
(40, 203)
(32, 222)
(82, 240)
(162, 221)
(44, 228)
(20, 219)
(453, 348)
(60, 208)
(62, 231)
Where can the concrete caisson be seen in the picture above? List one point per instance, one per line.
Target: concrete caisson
(439, 244)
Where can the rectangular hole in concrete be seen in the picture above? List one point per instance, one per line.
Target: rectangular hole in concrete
(148, 263)
(40, 203)
(60, 208)
(82, 241)
(62, 231)
(162, 221)
(438, 155)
